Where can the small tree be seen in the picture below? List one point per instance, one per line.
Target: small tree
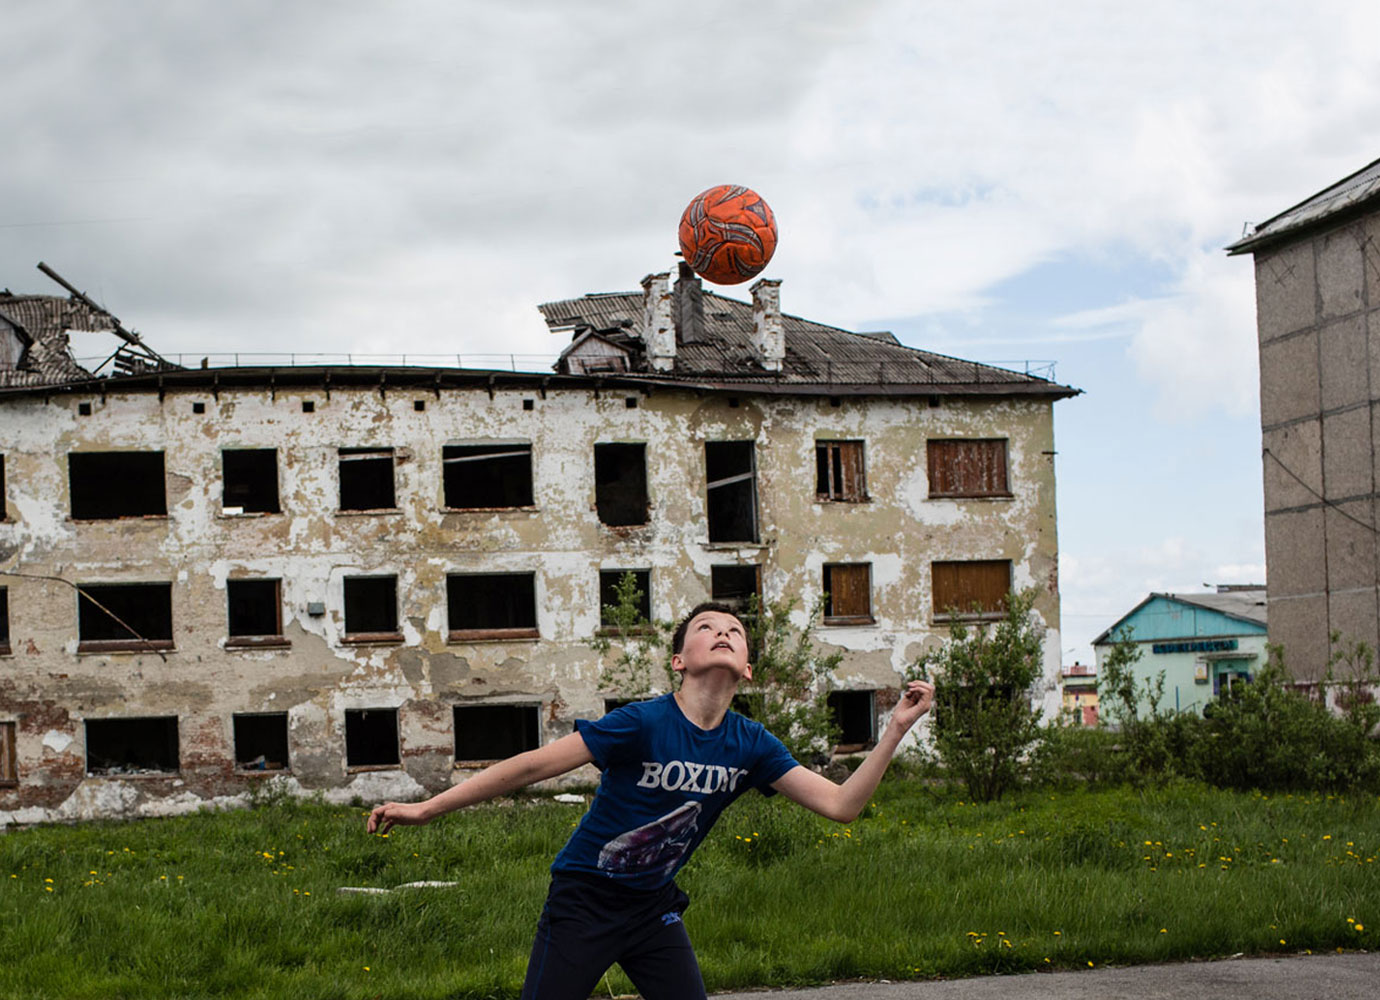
(791, 680)
(1156, 743)
(642, 644)
(984, 721)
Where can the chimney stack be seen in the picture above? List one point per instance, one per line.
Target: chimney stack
(768, 336)
(689, 307)
(658, 331)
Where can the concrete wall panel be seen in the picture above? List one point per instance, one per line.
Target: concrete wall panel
(1347, 469)
(1351, 546)
(1344, 363)
(1285, 291)
(1295, 543)
(1289, 382)
(1293, 468)
(1340, 270)
(1352, 613)
(1298, 624)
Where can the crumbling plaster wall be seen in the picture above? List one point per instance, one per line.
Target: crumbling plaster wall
(49, 688)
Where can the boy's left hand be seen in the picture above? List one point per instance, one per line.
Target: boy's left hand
(916, 699)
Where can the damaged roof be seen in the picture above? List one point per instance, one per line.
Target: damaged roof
(819, 358)
(41, 322)
(1349, 196)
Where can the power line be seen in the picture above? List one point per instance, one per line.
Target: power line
(1326, 502)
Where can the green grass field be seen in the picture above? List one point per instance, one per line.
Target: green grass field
(245, 904)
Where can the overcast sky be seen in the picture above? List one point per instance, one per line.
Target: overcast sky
(1000, 181)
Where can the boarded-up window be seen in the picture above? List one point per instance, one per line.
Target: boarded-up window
(111, 484)
(620, 483)
(487, 475)
(491, 606)
(124, 617)
(254, 613)
(839, 473)
(495, 732)
(250, 480)
(366, 479)
(977, 587)
(968, 468)
(371, 609)
(9, 765)
(848, 594)
(731, 469)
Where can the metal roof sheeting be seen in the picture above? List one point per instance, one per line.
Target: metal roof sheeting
(1348, 193)
(45, 319)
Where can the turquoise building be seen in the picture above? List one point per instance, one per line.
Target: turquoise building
(1203, 643)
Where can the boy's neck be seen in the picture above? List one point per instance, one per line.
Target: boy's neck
(706, 699)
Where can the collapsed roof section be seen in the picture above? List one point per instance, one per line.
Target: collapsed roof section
(692, 336)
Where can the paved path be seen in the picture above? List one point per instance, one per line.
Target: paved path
(1315, 977)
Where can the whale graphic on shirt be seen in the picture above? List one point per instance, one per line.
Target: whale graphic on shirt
(659, 844)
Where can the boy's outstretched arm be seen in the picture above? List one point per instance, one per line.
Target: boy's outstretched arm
(844, 802)
(519, 771)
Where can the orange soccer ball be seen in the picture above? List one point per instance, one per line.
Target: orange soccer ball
(727, 234)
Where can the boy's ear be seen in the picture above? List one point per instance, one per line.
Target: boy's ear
(747, 676)
(677, 663)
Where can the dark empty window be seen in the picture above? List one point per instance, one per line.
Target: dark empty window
(492, 605)
(855, 718)
(109, 484)
(495, 732)
(977, 587)
(609, 581)
(250, 480)
(124, 617)
(4, 511)
(131, 746)
(731, 469)
(366, 479)
(620, 483)
(839, 473)
(254, 612)
(4, 620)
(371, 737)
(261, 741)
(614, 704)
(968, 468)
(371, 608)
(735, 586)
(9, 764)
(487, 475)
(848, 594)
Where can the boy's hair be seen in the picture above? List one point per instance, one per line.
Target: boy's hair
(678, 639)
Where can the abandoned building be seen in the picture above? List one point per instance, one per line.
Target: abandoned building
(1317, 286)
(366, 581)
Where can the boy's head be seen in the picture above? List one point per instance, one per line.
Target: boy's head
(714, 625)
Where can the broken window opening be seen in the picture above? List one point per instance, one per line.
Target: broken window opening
(4, 510)
(495, 732)
(124, 617)
(848, 594)
(123, 747)
(113, 484)
(261, 741)
(736, 586)
(614, 704)
(478, 476)
(366, 479)
(492, 606)
(731, 496)
(371, 609)
(254, 612)
(5, 621)
(839, 472)
(249, 480)
(620, 483)
(608, 595)
(371, 737)
(855, 717)
(976, 588)
(9, 763)
(968, 468)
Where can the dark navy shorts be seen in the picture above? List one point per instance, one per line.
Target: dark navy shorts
(589, 923)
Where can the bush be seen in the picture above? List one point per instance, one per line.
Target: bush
(1070, 755)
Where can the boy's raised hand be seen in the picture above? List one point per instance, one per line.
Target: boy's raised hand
(916, 699)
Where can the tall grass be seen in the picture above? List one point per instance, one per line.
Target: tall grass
(925, 884)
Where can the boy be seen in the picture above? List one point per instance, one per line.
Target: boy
(670, 766)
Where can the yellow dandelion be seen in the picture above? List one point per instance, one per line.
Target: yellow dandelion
(1360, 927)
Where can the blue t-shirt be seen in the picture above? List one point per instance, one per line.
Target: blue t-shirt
(665, 782)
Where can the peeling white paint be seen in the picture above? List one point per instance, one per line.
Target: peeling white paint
(57, 741)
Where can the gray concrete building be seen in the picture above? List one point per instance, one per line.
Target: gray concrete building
(368, 581)
(1317, 279)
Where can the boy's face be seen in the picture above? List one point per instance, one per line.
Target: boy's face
(714, 641)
